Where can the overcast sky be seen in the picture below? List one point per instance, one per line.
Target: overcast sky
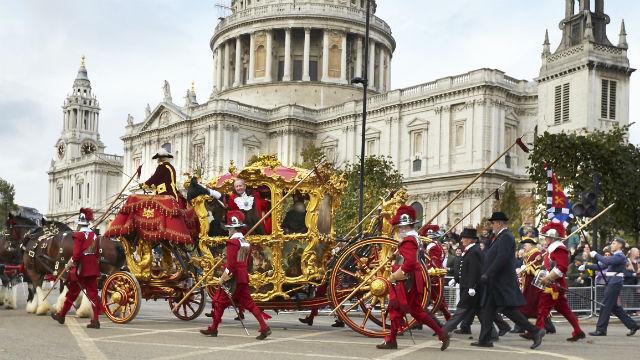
(132, 46)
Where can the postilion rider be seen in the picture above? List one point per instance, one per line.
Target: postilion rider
(407, 274)
(236, 271)
(84, 269)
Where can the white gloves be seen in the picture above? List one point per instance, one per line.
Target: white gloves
(593, 254)
(472, 292)
(452, 282)
(581, 267)
(216, 194)
(521, 269)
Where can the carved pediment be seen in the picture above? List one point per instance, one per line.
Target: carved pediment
(418, 123)
(251, 141)
(163, 115)
(329, 141)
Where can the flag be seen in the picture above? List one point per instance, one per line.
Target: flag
(558, 206)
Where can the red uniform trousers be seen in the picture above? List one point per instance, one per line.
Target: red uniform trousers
(90, 285)
(416, 311)
(242, 299)
(546, 303)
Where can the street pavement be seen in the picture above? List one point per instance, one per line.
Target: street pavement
(156, 334)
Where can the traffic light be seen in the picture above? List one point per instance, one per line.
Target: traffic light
(590, 203)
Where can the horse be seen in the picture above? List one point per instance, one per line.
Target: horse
(48, 249)
(11, 259)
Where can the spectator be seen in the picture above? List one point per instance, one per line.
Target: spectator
(455, 263)
(633, 270)
(519, 258)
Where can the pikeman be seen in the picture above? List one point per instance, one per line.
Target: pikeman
(527, 273)
(435, 256)
(84, 269)
(407, 274)
(556, 263)
(236, 274)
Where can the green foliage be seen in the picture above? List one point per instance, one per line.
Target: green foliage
(311, 156)
(381, 177)
(7, 196)
(510, 205)
(575, 157)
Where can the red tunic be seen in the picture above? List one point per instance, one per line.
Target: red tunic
(435, 252)
(557, 253)
(164, 180)
(531, 293)
(238, 269)
(88, 264)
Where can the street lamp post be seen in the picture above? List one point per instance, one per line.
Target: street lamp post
(364, 80)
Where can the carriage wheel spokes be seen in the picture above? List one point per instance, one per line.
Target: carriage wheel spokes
(191, 308)
(121, 296)
(369, 275)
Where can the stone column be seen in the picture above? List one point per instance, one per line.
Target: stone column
(325, 55)
(307, 50)
(219, 68)
(381, 72)
(372, 65)
(359, 60)
(252, 58)
(343, 59)
(287, 55)
(269, 60)
(227, 65)
(237, 81)
(215, 75)
(388, 72)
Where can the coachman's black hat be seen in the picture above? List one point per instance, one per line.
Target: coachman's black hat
(498, 216)
(469, 233)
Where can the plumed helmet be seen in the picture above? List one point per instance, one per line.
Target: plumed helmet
(429, 230)
(85, 216)
(406, 215)
(235, 219)
(553, 230)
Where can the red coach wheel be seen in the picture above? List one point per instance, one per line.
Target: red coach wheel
(191, 308)
(353, 268)
(121, 296)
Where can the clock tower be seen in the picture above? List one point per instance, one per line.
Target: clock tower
(81, 174)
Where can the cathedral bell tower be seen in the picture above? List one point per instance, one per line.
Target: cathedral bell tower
(584, 84)
(80, 121)
(81, 174)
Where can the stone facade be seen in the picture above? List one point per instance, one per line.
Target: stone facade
(81, 174)
(280, 74)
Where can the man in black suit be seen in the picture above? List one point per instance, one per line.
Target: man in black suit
(468, 276)
(500, 291)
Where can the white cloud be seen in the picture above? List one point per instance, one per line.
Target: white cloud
(132, 46)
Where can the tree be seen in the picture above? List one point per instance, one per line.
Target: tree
(311, 156)
(510, 205)
(381, 177)
(7, 196)
(575, 157)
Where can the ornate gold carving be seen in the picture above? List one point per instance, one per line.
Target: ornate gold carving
(323, 190)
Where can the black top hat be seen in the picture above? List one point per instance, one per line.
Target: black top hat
(499, 216)
(528, 240)
(469, 233)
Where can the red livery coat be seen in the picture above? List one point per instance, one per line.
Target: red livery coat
(533, 261)
(238, 269)
(435, 252)
(558, 254)
(88, 264)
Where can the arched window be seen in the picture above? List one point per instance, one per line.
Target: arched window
(419, 212)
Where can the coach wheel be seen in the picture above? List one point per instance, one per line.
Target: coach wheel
(121, 296)
(191, 308)
(359, 279)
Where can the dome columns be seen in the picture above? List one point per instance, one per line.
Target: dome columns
(298, 54)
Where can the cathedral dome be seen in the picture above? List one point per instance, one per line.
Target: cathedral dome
(278, 52)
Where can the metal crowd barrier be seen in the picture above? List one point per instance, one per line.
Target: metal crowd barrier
(578, 298)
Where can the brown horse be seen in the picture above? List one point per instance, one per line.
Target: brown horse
(48, 249)
(11, 259)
